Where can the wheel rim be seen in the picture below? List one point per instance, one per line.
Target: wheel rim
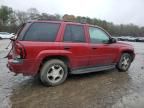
(55, 73)
(125, 62)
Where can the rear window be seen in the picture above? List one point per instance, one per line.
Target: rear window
(42, 32)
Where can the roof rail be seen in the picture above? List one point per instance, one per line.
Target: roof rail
(81, 22)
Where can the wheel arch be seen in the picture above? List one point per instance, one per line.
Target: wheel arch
(129, 52)
(63, 58)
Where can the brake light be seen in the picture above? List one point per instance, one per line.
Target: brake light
(20, 51)
(19, 54)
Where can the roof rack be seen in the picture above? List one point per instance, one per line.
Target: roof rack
(81, 22)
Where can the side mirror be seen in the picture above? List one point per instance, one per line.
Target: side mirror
(113, 40)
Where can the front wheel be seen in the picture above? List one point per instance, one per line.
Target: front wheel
(53, 72)
(124, 62)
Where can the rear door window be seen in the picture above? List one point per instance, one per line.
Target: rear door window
(74, 33)
(42, 31)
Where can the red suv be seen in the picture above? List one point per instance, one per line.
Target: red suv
(54, 49)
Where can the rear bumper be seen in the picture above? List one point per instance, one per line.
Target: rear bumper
(19, 66)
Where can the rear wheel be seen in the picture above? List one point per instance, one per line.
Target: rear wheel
(125, 62)
(53, 72)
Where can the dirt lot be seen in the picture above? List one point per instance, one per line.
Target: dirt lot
(107, 89)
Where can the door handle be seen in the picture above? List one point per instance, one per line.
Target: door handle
(94, 48)
(67, 48)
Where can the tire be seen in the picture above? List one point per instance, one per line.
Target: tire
(124, 62)
(54, 72)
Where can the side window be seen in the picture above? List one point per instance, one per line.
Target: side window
(98, 36)
(74, 33)
(42, 31)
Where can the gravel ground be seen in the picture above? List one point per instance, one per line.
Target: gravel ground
(106, 89)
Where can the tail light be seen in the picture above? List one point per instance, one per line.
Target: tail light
(20, 52)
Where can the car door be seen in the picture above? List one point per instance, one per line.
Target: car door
(74, 42)
(102, 51)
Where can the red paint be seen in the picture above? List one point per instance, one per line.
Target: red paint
(80, 55)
